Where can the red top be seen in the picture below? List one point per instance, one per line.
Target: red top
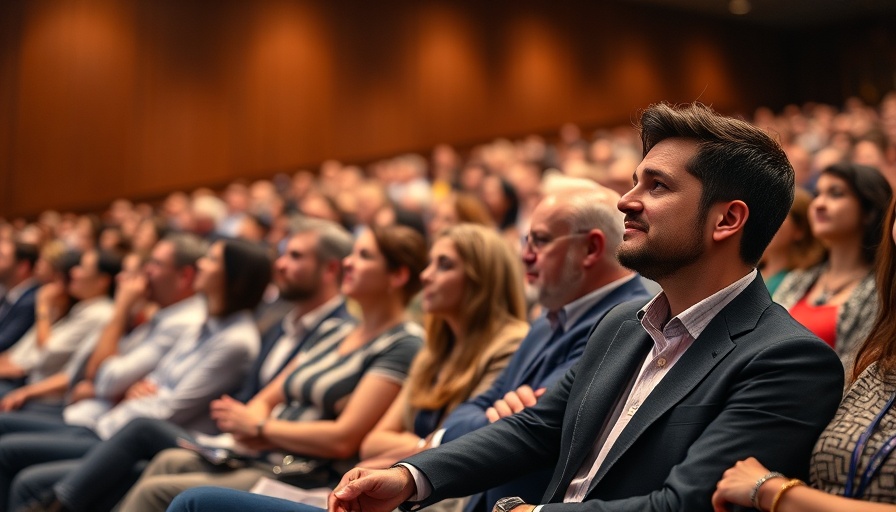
(822, 320)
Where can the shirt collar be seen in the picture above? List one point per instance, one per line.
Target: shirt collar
(294, 323)
(694, 319)
(570, 313)
(193, 301)
(83, 305)
(18, 290)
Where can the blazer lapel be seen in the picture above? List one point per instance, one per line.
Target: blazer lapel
(594, 401)
(739, 316)
(532, 362)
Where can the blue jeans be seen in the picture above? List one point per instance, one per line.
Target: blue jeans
(29, 439)
(110, 468)
(218, 499)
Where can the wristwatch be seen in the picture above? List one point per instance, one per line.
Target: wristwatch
(508, 504)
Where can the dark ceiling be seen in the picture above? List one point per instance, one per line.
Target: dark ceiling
(786, 13)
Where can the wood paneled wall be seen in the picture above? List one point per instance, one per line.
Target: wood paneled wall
(107, 98)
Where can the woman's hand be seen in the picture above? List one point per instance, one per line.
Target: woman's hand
(737, 484)
(235, 417)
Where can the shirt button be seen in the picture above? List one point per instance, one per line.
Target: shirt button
(661, 362)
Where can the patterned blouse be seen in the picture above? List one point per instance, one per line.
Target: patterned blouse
(831, 457)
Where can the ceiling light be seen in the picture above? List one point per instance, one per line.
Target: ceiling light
(739, 7)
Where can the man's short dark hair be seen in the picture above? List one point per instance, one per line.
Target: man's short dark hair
(734, 160)
(26, 252)
(188, 249)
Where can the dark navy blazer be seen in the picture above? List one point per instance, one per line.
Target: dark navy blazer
(539, 362)
(18, 318)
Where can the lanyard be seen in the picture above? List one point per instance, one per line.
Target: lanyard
(877, 459)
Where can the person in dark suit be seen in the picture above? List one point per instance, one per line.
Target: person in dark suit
(570, 258)
(670, 393)
(17, 277)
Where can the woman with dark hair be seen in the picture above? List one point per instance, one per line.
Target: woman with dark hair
(836, 299)
(318, 409)
(502, 202)
(210, 359)
(851, 467)
(793, 246)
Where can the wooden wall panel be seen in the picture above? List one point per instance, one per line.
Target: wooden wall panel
(109, 98)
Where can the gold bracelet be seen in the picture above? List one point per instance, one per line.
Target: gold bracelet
(788, 485)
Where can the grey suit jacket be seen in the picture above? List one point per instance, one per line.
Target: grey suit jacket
(754, 383)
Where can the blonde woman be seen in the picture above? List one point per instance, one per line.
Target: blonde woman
(473, 298)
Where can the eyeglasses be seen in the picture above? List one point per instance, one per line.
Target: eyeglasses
(538, 242)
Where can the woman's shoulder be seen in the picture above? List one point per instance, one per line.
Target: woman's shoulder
(511, 333)
(405, 333)
(795, 284)
(869, 383)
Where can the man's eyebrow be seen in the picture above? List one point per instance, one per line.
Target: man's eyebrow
(656, 173)
(653, 173)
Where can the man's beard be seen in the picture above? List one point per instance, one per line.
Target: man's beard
(554, 297)
(296, 292)
(657, 261)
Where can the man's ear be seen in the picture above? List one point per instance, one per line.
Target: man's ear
(597, 246)
(729, 219)
(187, 276)
(334, 268)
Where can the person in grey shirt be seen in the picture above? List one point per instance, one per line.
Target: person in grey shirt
(205, 362)
(99, 373)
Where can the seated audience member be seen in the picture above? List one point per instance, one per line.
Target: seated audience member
(17, 261)
(667, 393)
(210, 359)
(793, 247)
(320, 406)
(570, 258)
(56, 335)
(307, 276)
(47, 396)
(54, 262)
(836, 299)
(473, 299)
(129, 346)
(394, 215)
(851, 463)
(456, 208)
(579, 280)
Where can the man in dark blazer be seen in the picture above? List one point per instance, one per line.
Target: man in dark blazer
(668, 394)
(17, 277)
(570, 259)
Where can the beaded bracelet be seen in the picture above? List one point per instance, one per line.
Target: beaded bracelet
(790, 484)
(754, 494)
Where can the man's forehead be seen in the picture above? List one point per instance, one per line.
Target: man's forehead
(550, 215)
(674, 150)
(303, 241)
(164, 251)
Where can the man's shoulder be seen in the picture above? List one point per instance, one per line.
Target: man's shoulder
(627, 299)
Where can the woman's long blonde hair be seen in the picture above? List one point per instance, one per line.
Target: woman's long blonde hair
(449, 367)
